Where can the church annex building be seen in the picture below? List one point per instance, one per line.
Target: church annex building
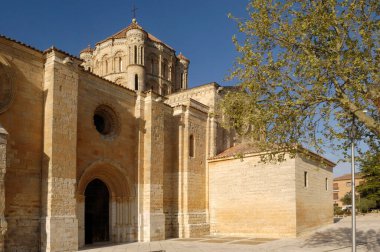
(114, 146)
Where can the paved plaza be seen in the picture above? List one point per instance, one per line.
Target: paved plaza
(334, 237)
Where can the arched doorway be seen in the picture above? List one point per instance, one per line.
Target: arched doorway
(96, 212)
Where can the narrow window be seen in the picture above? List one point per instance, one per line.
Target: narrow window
(136, 82)
(305, 179)
(327, 184)
(182, 81)
(120, 64)
(152, 66)
(165, 73)
(106, 67)
(141, 56)
(135, 54)
(191, 146)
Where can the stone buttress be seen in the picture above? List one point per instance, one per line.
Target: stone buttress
(59, 225)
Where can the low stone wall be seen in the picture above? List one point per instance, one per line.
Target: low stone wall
(248, 197)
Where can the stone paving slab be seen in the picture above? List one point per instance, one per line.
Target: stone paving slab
(333, 238)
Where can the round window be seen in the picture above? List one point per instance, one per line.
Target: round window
(105, 120)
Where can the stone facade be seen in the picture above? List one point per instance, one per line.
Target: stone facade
(137, 60)
(269, 200)
(89, 153)
(342, 186)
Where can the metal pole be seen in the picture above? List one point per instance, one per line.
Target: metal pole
(353, 207)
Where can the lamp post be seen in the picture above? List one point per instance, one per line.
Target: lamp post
(353, 205)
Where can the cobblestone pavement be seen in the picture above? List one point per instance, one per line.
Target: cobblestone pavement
(334, 237)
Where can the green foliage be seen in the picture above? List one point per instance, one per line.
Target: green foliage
(370, 169)
(346, 200)
(305, 68)
(364, 205)
(338, 210)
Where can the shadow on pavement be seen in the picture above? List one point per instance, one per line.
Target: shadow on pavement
(341, 237)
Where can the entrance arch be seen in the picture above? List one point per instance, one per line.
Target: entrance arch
(122, 203)
(96, 212)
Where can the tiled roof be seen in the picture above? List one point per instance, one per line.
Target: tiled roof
(348, 176)
(72, 56)
(21, 43)
(87, 49)
(134, 25)
(250, 148)
(53, 48)
(181, 56)
(240, 149)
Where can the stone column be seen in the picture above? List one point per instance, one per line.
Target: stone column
(179, 112)
(59, 224)
(152, 218)
(213, 133)
(160, 75)
(3, 164)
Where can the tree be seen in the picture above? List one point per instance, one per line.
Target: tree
(362, 204)
(305, 69)
(370, 169)
(346, 200)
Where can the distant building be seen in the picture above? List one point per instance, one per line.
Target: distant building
(342, 185)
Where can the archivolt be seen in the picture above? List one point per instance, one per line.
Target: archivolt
(111, 174)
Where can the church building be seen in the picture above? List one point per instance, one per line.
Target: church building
(113, 146)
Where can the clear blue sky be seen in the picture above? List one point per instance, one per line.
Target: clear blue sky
(198, 29)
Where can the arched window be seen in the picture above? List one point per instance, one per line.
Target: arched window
(163, 90)
(136, 54)
(120, 68)
(326, 184)
(191, 146)
(305, 179)
(141, 55)
(136, 82)
(154, 86)
(182, 81)
(152, 66)
(165, 69)
(106, 67)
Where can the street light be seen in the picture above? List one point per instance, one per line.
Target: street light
(353, 205)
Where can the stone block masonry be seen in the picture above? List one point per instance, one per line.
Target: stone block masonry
(90, 160)
(3, 169)
(59, 222)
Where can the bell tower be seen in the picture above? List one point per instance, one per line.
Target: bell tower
(136, 50)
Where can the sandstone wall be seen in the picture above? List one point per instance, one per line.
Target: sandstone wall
(251, 198)
(151, 180)
(59, 226)
(111, 157)
(170, 176)
(192, 199)
(342, 187)
(24, 122)
(219, 138)
(314, 201)
(205, 94)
